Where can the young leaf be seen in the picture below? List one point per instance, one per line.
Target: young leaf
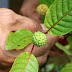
(58, 20)
(20, 63)
(69, 39)
(18, 39)
(67, 68)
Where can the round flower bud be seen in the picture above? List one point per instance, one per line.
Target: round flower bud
(42, 9)
(39, 39)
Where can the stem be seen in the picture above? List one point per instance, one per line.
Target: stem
(32, 49)
(29, 57)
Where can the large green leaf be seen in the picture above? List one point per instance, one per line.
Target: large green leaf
(18, 39)
(59, 18)
(21, 64)
(69, 39)
(67, 68)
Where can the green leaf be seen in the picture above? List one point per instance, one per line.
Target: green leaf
(18, 39)
(64, 49)
(48, 3)
(21, 64)
(58, 19)
(50, 67)
(67, 68)
(69, 39)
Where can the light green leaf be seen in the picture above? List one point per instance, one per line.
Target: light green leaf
(69, 39)
(59, 18)
(67, 68)
(18, 39)
(21, 64)
(64, 49)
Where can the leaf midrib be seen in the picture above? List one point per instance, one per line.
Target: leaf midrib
(59, 20)
(19, 41)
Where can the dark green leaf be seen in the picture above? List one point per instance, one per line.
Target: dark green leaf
(69, 39)
(59, 18)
